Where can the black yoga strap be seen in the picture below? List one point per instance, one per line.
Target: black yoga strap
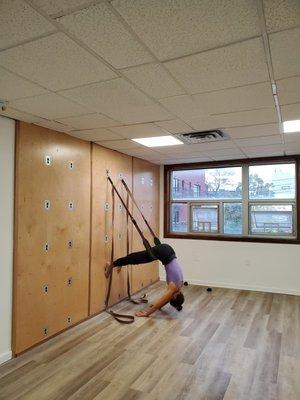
(143, 298)
(122, 318)
(145, 241)
(129, 193)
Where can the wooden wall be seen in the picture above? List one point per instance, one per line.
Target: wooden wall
(59, 286)
(45, 300)
(116, 163)
(146, 194)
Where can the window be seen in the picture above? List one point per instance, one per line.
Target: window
(271, 219)
(214, 183)
(242, 201)
(205, 218)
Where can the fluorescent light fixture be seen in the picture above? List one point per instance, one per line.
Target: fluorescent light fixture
(158, 141)
(291, 126)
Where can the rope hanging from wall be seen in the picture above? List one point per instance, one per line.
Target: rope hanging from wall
(125, 318)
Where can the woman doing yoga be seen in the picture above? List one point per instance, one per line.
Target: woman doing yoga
(174, 277)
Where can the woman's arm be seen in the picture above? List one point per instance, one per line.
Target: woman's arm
(158, 304)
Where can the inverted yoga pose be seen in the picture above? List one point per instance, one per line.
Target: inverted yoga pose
(174, 277)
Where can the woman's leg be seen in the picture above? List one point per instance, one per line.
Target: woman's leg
(139, 257)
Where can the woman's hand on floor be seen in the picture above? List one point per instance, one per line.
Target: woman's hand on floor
(143, 313)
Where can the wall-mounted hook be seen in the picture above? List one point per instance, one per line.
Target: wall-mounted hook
(48, 160)
(47, 204)
(45, 289)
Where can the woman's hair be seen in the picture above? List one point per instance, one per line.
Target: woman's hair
(178, 301)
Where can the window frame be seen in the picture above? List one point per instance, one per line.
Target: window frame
(245, 201)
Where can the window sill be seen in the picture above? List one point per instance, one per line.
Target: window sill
(193, 236)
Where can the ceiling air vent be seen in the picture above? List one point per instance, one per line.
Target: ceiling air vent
(202, 137)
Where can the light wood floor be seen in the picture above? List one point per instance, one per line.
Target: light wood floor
(228, 344)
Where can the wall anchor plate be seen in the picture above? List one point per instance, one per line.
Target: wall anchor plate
(47, 204)
(48, 160)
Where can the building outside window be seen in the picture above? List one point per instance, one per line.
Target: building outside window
(247, 200)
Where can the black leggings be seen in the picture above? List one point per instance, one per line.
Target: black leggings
(161, 252)
(139, 257)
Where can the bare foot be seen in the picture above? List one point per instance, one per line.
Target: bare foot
(108, 269)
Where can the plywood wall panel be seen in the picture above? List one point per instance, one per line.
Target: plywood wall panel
(146, 193)
(74, 276)
(102, 160)
(35, 268)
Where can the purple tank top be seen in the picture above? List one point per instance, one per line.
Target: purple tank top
(174, 272)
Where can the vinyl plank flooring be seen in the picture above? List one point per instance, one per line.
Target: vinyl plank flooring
(225, 344)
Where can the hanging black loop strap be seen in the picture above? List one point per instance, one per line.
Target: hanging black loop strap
(143, 298)
(145, 241)
(129, 192)
(122, 318)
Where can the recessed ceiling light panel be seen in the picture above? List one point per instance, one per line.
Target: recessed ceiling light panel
(158, 141)
(291, 126)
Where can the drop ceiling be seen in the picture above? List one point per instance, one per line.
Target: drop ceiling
(109, 71)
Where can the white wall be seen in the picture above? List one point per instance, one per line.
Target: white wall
(7, 138)
(244, 265)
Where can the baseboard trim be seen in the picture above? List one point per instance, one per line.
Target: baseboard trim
(5, 357)
(242, 287)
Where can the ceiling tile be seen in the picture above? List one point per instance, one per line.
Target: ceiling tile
(242, 118)
(236, 99)
(174, 126)
(291, 138)
(14, 87)
(224, 152)
(55, 62)
(195, 150)
(94, 135)
(290, 112)
(259, 141)
(102, 31)
(60, 7)
(19, 115)
(183, 106)
(281, 14)
(119, 100)
(146, 154)
(138, 115)
(235, 65)
(253, 131)
(285, 53)
(154, 80)
(56, 126)
(123, 144)
(264, 151)
(139, 131)
(48, 106)
(173, 28)
(289, 90)
(294, 152)
(89, 121)
(229, 157)
(184, 160)
(19, 22)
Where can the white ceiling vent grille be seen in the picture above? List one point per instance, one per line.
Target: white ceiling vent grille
(202, 137)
